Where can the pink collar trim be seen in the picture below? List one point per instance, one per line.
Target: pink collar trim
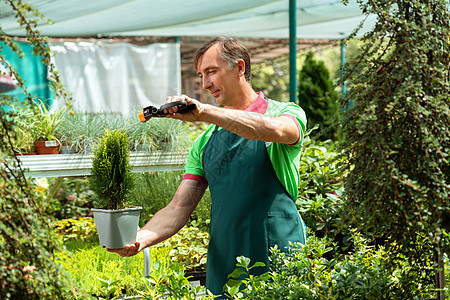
(259, 105)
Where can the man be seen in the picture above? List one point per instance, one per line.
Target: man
(249, 157)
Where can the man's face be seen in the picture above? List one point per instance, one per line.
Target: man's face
(217, 77)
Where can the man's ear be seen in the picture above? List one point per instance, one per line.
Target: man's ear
(241, 67)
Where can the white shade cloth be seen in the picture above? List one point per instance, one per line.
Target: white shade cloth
(117, 77)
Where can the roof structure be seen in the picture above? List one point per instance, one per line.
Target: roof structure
(316, 19)
(261, 25)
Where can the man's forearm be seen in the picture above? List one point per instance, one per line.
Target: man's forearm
(162, 226)
(174, 216)
(251, 125)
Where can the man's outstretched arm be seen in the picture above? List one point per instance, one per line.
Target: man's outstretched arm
(168, 220)
(249, 125)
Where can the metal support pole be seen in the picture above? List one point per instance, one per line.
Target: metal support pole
(293, 50)
(344, 85)
(54, 188)
(146, 252)
(147, 260)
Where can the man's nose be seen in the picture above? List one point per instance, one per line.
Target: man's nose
(206, 83)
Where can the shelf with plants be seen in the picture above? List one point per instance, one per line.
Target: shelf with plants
(72, 165)
(80, 133)
(157, 145)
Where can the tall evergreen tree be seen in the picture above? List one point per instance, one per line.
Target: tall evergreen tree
(317, 98)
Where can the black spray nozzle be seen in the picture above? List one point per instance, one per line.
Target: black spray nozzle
(152, 111)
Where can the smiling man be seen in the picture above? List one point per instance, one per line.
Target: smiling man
(249, 157)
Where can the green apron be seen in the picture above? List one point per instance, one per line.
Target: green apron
(251, 210)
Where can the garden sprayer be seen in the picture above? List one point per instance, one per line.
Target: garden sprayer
(152, 111)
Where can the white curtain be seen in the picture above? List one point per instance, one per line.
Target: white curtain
(117, 77)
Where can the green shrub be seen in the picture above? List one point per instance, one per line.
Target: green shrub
(188, 247)
(306, 273)
(76, 229)
(111, 177)
(320, 196)
(397, 132)
(27, 241)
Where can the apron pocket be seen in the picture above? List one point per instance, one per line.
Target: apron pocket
(283, 228)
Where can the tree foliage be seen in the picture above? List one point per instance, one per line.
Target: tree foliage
(27, 242)
(272, 78)
(398, 133)
(317, 97)
(111, 177)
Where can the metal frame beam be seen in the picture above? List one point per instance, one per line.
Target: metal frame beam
(293, 51)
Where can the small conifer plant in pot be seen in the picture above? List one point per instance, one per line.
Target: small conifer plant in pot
(112, 179)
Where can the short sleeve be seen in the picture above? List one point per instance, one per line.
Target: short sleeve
(291, 110)
(194, 164)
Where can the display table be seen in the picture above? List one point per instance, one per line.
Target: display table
(72, 165)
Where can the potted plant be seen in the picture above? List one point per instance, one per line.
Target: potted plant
(157, 135)
(169, 135)
(81, 132)
(112, 179)
(141, 137)
(23, 142)
(44, 129)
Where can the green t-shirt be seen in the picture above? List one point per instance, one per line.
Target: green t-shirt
(285, 158)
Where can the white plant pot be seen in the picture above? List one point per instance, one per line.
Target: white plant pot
(117, 228)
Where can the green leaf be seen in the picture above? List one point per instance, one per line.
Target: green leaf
(258, 264)
(243, 261)
(234, 283)
(236, 273)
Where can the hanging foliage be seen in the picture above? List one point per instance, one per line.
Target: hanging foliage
(27, 242)
(398, 132)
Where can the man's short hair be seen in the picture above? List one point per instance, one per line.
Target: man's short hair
(231, 52)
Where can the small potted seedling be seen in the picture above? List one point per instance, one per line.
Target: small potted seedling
(112, 179)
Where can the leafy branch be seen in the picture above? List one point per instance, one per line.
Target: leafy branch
(27, 242)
